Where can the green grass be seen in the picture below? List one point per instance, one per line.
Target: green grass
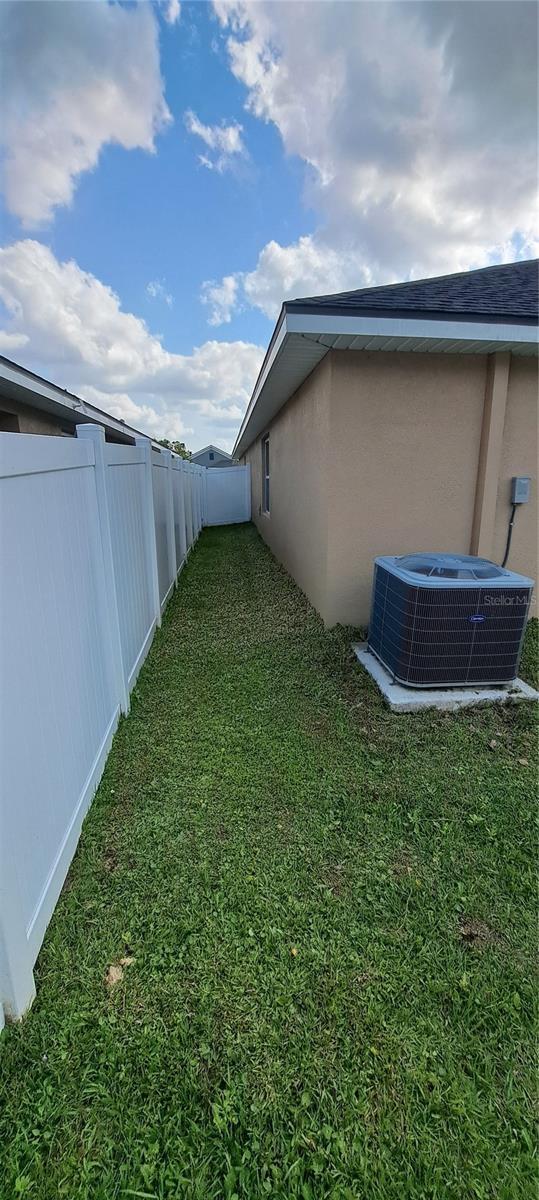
(260, 801)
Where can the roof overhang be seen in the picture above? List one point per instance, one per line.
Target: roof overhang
(302, 339)
(17, 383)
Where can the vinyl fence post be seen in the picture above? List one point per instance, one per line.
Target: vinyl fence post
(189, 505)
(149, 530)
(96, 435)
(181, 512)
(199, 499)
(195, 492)
(17, 987)
(194, 501)
(205, 496)
(171, 540)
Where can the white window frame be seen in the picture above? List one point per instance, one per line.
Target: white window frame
(265, 475)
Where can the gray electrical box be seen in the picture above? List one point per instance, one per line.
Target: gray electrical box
(520, 489)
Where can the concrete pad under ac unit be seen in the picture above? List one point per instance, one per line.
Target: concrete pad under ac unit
(405, 699)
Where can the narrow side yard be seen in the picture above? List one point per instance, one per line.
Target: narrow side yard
(328, 917)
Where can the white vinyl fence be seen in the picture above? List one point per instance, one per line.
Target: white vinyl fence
(92, 539)
(228, 495)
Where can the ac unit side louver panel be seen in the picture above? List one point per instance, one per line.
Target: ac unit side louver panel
(448, 620)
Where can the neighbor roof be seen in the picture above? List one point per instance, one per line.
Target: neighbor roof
(20, 384)
(197, 453)
(510, 290)
(473, 312)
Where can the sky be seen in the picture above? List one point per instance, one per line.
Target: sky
(171, 172)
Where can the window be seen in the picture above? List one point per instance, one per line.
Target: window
(211, 456)
(265, 475)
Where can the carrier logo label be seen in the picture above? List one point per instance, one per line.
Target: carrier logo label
(477, 617)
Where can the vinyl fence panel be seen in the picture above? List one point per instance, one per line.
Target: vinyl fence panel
(228, 495)
(127, 498)
(59, 699)
(92, 537)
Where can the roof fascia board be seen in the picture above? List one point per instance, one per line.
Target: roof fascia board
(274, 348)
(374, 313)
(315, 325)
(403, 327)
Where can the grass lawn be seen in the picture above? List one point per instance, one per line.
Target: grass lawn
(331, 912)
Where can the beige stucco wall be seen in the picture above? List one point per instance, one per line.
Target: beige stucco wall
(32, 420)
(377, 453)
(519, 457)
(296, 529)
(405, 434)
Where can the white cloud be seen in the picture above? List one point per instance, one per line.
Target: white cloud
(230, 414)
(169, 424)
(172, 10)
(76, 76)
(74, 331)
(308, 267)
(221, 297)
(10, 342)
(157, 291)
(224, 142)
(417, 126)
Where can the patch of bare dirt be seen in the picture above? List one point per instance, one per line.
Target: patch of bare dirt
(477, 934)
(115, 972)
(333, 878)
(321, 725)
(404, 864)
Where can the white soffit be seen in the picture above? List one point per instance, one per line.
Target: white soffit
(303, 340)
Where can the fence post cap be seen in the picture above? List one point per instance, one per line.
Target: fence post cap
(89, 430)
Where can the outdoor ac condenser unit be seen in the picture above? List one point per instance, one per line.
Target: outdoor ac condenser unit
(448, 620)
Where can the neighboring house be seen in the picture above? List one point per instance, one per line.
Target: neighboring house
(30, 404)
(212, 456)
(390, 420)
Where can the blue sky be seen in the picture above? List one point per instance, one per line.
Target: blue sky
(342, 145)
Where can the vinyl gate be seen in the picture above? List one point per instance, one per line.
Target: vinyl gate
(228, 495)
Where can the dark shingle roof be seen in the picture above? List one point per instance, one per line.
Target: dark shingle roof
(509, 291)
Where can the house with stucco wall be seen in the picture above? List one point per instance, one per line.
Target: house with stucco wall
(212, 456)
(391, 420)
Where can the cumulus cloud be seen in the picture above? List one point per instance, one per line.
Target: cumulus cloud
(224, 142)
(169, 424)
(221, 298)
(74, 331)
(417, 126)
(172, 10)
(11, 342)
(308, 267)
(76, 77)
(156, 290)
(228, 414)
